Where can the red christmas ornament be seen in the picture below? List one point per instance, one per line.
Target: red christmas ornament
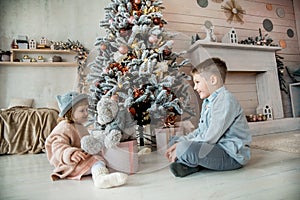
(114, 65)
(136, 7)
(168, 90)
(132, 111)
(123, 32)
(170, 120)
(118, 67)
(138, 92)
(156, 21)
(124, 69)
(167, 51)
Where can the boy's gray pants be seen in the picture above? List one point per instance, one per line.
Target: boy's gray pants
(209, 156)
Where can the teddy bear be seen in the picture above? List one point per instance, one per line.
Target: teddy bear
(116, 125)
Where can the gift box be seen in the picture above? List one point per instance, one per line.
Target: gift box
(163, 135)
(123, 158)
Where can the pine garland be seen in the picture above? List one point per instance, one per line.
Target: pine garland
(81, 58)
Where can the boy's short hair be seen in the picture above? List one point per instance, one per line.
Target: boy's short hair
(206, 67)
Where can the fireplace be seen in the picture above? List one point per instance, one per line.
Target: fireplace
(247, 60)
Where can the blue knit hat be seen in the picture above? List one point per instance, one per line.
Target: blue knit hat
(66, 101)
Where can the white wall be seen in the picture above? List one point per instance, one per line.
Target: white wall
(57, 20)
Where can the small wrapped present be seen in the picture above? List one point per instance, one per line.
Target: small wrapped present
(163, 135)
(123, 158)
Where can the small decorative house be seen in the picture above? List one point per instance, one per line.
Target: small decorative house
(32, 44)
(267, 111)
(230, 37)
(44, 41)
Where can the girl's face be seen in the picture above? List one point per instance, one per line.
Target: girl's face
(201, 86)
(80, 113)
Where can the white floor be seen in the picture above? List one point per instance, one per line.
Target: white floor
(269, 175)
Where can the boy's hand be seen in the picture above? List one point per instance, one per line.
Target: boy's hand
(77, 156)
(171, 153)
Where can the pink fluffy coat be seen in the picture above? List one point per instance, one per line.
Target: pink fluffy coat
(62, 142)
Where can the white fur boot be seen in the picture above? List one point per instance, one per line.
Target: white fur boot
(102, 178)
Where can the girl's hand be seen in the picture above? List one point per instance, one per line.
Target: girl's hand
(77, 156)
(171, 153)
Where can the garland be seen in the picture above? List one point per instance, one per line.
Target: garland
(280, 70)
(81, 58)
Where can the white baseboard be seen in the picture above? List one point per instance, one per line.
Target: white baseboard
(275, 126)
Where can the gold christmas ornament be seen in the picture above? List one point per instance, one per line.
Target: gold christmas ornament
(269, 6)
(282, 43)
(233, 11)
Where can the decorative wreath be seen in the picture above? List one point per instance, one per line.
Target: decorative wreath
(233, 11)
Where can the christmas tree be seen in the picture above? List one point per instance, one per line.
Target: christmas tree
(136, 63)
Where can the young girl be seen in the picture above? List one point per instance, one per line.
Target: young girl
(222, 139)
(63, 145)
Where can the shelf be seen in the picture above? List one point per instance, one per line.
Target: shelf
(68, 57)
(37, 64)
(47, 51)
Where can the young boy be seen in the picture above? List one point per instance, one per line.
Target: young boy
(222, 139)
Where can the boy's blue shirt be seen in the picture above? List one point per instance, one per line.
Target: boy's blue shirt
(223, 122)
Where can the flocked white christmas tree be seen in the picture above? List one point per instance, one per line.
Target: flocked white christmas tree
(136, 63)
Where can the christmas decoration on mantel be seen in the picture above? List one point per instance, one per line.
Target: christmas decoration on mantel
(266, 40)
(233, 11)
(208, 27)
(81, 58)
(261, 40)
(136, 63)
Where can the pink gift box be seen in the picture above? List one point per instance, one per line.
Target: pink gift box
(163, 135)
(123, 158)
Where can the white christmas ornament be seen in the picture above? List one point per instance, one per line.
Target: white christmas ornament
(153, 39)
(123, 49)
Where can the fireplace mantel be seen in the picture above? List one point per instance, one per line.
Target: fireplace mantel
(246, 58)
(234, 46)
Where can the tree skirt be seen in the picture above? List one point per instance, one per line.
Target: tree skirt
(287, 142)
